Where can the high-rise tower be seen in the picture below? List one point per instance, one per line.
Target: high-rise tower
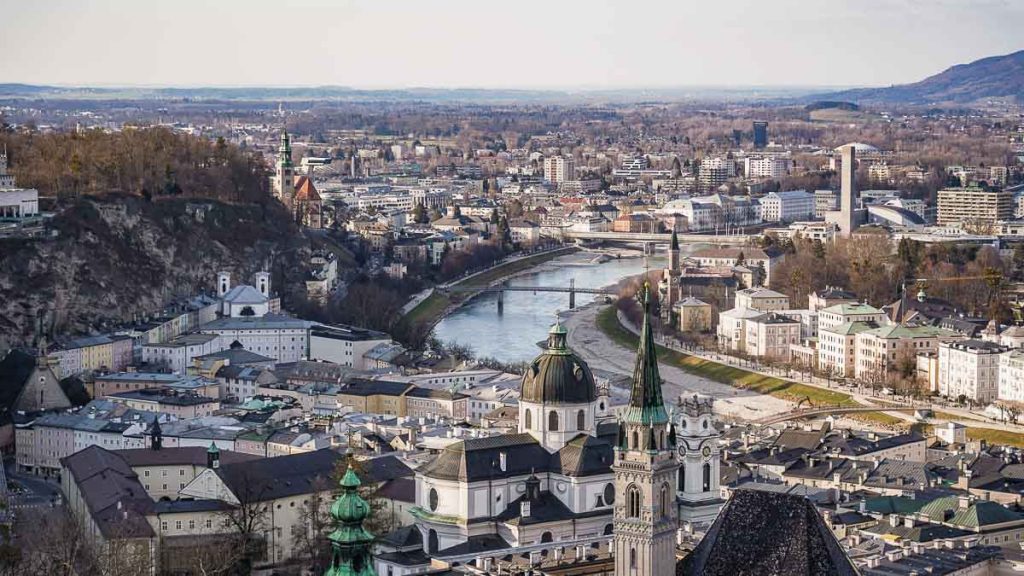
(848, 192)
(646, 513)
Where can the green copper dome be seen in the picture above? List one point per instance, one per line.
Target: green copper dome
(558, 375)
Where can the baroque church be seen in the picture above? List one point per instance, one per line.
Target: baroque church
(578, 478)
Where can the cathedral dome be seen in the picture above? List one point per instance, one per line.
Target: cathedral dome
(558, 375)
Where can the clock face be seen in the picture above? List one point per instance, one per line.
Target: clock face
(706, 451)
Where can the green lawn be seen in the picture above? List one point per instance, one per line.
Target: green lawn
(430, 310)
(993, 436)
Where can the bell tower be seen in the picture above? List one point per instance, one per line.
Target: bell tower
(699, 452)
(284, 178)
(646, 513)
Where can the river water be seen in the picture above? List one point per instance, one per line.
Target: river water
(513, 335)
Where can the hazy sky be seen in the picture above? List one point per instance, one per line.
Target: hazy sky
(486, 43)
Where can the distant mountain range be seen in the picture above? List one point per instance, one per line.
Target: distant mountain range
(994, 78)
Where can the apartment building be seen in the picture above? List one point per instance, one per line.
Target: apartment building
(767, 166)
(883, 349)
(970, 368)
(558, 169)
(787, 206)
(837, 346)
(845, 313)
(1011, 376)
(771, 335)
(761, 299)
(973, 205)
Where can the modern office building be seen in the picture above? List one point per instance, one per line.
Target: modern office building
(760, 134)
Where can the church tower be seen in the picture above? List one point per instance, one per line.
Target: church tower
(646, 513)
(284, 177)
(699, 496)
(350, 542)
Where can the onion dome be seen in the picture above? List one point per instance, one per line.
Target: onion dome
(350, 542)
(558, 375)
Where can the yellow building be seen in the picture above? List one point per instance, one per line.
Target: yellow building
(694, 315)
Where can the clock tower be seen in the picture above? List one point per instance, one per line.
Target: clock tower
(699, 454)
(646, 515)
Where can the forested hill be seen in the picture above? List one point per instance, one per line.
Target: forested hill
(148, 162)
(993, 78)
(142, 217)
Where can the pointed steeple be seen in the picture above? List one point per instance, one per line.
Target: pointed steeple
(156, 435)
(675, 241)
(645, 403)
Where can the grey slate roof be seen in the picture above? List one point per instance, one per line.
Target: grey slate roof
(760, 533)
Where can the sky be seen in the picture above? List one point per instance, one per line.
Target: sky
(583, 44)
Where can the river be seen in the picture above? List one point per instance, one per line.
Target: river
(513, 335)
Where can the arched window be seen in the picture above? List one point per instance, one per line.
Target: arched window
(632, 558)
(633, 501)
(581, 420)
(609, 529)
(553, 421)
(661, 442)
(636, 441)
(432, 541)
(666, 501)
(545, 537)
(529, 419)
(707, 477)
(609, 494)
(682, 478)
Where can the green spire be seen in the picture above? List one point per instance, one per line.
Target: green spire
(645, 403)
(350, 541)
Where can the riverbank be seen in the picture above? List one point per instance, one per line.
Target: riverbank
(608, 323)
(617, 356)
(439, 304)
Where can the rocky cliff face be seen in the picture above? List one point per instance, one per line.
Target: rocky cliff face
(121, 258)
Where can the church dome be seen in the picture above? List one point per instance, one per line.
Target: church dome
(558, 375)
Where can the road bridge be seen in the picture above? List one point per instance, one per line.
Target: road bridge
(662, 238)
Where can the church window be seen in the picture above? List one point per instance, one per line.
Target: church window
(553, 421)
(632, 558)
(529, 420)
(636, 441)
(609, 529)
(609, 494)
(581, 420)
(707, 477)
(682, 478)
(705, 424)
(432, 497)
(633, 502)
(545, 537)
(666, 501)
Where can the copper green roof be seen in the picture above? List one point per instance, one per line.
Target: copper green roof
(645, 403)
(558, 375)
(350, 542)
